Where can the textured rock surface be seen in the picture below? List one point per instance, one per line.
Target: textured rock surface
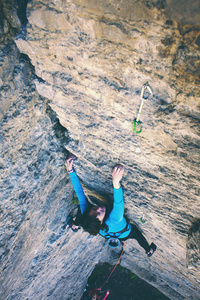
(91, 59)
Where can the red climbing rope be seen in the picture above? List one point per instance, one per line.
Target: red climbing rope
(99, 289)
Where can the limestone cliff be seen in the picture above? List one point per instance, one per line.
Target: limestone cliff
(88, 62)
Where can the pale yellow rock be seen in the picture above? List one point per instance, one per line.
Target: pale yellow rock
(49, 20)
(92, 59)
(97, 29)
(160, 138)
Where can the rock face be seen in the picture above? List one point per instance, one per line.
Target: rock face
(89, 60)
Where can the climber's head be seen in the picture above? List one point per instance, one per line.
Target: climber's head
(98, 212)
(93, 294)
(93, 218)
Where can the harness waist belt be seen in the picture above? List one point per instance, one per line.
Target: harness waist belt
(116, 234)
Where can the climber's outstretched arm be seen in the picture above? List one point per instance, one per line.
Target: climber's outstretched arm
(76, 183)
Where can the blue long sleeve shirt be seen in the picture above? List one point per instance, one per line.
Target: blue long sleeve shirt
(115, 221)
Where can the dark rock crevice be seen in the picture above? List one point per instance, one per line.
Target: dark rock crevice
(193, 245)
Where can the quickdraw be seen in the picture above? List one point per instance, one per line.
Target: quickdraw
(142, 219)
(137, 128)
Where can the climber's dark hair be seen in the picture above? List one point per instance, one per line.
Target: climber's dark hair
(90, 223)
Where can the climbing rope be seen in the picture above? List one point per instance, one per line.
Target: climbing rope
(137, 128)
(99, 289)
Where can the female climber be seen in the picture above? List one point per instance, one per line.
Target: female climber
(112, 225)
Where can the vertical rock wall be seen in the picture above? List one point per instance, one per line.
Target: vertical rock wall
(39, 257)
(91, 59)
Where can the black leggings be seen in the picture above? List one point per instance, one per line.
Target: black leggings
(137, 235)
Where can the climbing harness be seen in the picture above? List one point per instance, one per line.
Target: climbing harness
(137, 128)
(113, 238)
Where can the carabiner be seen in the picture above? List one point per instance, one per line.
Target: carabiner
(137, 122)
(146, 86)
